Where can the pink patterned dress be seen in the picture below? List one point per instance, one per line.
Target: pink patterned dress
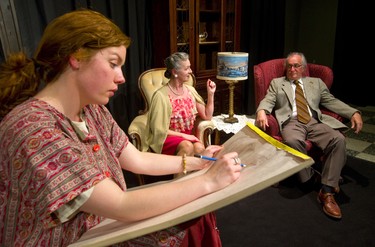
(182, 120)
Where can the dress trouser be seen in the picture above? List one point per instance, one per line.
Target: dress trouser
(330, 141)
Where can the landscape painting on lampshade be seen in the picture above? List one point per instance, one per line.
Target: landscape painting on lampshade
(232, 65)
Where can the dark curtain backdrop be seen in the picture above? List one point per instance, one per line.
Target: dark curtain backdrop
(131, 16)
(352, 80)
(262, 36)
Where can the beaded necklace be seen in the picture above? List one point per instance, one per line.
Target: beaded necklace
(177, 94)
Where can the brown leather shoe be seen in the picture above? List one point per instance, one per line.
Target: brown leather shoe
(330, 206)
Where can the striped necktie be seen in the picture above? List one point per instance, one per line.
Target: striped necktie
(303, 114)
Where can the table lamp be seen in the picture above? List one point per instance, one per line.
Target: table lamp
(232, 67)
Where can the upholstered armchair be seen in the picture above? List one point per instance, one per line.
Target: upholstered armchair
(148, 82)
(263, 75)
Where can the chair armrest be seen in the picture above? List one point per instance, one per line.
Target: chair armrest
(273, 127)
(136, 131)
(203, 130)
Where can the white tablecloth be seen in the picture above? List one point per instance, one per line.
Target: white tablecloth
(231, 127)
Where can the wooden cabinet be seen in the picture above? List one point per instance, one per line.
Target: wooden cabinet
(203, 28)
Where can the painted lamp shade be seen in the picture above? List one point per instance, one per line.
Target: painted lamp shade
(232, 66)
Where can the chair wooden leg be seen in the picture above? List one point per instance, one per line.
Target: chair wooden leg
(217, 137)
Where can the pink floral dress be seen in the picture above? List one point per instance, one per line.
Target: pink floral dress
(182, 120)
(183, 116)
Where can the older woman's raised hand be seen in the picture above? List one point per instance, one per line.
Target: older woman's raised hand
(211, 87)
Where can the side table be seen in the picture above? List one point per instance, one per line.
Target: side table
(229, 128)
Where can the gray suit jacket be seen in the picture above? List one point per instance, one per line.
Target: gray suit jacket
(279, 98)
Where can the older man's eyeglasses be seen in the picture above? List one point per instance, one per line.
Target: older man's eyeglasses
(296, 66)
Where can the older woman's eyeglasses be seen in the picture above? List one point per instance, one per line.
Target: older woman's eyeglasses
(296, 66)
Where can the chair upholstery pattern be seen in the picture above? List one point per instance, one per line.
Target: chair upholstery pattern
(148, 82)
(268, 70)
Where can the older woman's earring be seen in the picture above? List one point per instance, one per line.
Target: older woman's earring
(175, 75)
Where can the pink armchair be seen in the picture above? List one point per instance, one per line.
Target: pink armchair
(266, 71)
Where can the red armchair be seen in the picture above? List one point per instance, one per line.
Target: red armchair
(263, 75)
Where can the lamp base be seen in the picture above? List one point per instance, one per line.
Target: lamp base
(230, 119)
